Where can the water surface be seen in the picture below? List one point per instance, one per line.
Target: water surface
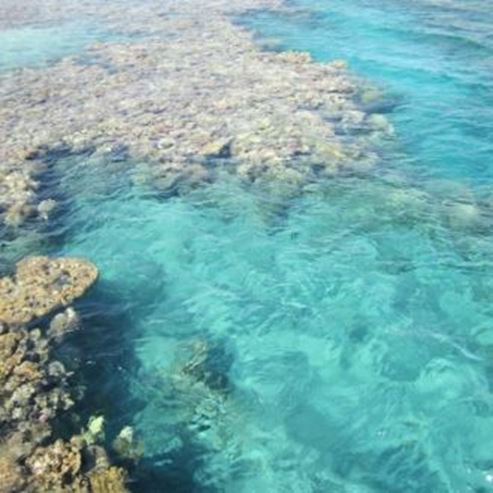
(346, 329)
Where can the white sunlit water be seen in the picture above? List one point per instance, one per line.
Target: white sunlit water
(348, 328)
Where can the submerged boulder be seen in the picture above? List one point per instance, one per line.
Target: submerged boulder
(42, 285)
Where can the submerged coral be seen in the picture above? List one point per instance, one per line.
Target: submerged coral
(35, 388)
(195, 96)
(42, 285)
(72, 466)
(111, 480)
(126, 446)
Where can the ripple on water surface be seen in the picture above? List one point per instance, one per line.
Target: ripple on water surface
(335, 341)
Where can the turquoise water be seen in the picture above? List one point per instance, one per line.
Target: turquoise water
(336, 341)
(352, 326)
(434, 59)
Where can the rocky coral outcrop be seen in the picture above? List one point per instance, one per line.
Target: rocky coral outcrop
(35, 388)
(11, 477)
(111, 480)
(74, 467)
(42, 285)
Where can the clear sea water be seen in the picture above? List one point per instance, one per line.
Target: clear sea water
(348, 331)
(36, 46)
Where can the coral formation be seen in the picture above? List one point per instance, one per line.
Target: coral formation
(35, 388)
(126, 446)
(111, 480)
(42, 285)
(195, 95)
(63, 466)
(63, 323)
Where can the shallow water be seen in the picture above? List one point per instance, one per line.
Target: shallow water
(347, 329)
(36, 46)
(435, 59)
(352, 324)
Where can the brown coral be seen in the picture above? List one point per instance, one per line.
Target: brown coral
(110, 480)
(55, 466)
(11, 479)
(42, 285)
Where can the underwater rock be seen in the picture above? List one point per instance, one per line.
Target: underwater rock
(55, 466)
(42, 285)
(63, 323)
(219, 148)
(95, 430)
(207, 364)
(126, 446)
(45, 208)
(380, 123)
(463, 215)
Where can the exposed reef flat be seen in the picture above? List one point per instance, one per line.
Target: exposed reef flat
(192, 92)
(35, 388)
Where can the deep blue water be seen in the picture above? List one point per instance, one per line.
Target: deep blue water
(347, 330)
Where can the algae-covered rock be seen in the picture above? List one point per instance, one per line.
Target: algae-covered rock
(45, 208)
(63, 323)
(42, 285)
(95, 430)
(220, 148)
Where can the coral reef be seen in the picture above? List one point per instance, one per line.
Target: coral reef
(63, 466)
(11, 478)
(111, 480)
(195, 95)
(42, 285)
(35, 388)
